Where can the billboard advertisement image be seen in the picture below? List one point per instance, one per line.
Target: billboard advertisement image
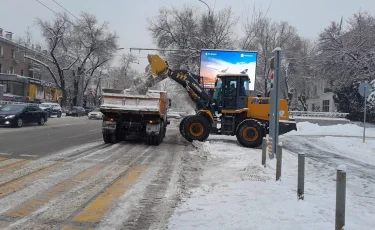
(213, 62)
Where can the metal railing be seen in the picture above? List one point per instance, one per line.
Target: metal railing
(318, 114)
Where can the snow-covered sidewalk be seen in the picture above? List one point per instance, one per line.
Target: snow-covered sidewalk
(237, 192)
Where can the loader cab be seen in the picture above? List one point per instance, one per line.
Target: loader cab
(231, 91)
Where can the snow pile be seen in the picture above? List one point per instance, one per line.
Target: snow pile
(307, 128)
(237, 192)
(203, 149)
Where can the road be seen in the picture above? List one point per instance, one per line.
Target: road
(63, 176)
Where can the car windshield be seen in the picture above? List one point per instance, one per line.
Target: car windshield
(12, 108)
(44, 106)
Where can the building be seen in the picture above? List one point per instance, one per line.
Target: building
(320, 97)
(24, 79)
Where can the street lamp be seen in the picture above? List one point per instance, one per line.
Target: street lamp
(209, 9)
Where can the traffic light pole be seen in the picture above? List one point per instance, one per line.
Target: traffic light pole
(275, 103)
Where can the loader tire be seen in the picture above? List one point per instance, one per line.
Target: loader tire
(250, 133)
(182, 125)
(196, 128)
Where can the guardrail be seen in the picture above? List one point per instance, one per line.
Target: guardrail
(318, 114)
(15, 103)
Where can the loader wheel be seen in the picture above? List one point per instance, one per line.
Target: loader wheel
(196, 128)
(182, 125)
(250, 133)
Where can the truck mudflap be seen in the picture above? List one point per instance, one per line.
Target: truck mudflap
(109, 127)
(287, 126)
(152, 129)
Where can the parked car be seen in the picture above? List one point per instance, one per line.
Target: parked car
(88, 109)
(96, 114)
(18, 115)
(76, 111)
(52, 109)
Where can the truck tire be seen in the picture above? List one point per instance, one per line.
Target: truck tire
(106, 138)
(196, 128)
(114, 138)
(250, 133)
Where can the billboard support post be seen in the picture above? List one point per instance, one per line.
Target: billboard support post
(275, 102)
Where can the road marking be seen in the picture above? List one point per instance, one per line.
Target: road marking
(75, 228)
(14, 166)
(96, 210)
(26, 155)
(9, 161)
(6, 154)
(33, 204)
(17, 184)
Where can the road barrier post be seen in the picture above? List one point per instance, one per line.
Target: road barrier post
(301, 177)
(264, 151)
(279, 157)
(340, 197)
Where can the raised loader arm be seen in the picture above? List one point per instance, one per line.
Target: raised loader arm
(160, 68)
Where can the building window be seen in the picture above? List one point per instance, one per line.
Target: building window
(21, 72)
(6, 85)
(326, 105)
(1, 51)
(313, 107)
(327, 90)
(315, 92)
(12, 70)
(13, 54)
(1, 69)
(18, 88)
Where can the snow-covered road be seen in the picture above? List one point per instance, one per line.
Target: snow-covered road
(96, 185)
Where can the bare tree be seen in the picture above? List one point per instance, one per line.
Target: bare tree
(189, 29)
(56, 32)
(95, 45)
(347, 54)
(264, 35)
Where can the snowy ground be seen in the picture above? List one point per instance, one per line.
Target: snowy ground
(236, 192)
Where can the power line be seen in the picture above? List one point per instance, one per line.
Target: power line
(47, 7)
(66, 9)
(54, 12)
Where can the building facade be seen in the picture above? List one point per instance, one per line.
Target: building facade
(320, 97)
(22, 78)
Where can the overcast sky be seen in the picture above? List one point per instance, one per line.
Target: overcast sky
(128, 17)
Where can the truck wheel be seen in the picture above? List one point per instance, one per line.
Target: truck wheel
(162, 131)
(250, 133)
(114, 138)
(196, 128)
(106, 138)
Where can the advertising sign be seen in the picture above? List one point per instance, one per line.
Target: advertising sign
(213, 62)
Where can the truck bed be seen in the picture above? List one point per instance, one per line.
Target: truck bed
(153, 102)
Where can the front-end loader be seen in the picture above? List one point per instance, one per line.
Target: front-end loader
(232, 112)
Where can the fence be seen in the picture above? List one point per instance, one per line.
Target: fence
(318, 114)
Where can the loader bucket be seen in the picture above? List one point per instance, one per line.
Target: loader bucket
(158, 65)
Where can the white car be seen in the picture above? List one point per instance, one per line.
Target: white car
(95, 114)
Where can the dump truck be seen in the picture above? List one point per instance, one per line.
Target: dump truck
(141, 116)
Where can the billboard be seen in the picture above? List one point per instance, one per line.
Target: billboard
(213, 62)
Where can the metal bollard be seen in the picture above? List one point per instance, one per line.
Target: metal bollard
(264, 151)
(279, 157)
(269, 144)
(301, 177)
(340, 197)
